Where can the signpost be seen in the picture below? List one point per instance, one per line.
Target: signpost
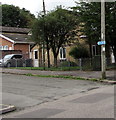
(101, 42)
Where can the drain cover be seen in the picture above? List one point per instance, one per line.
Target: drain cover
(6, 108)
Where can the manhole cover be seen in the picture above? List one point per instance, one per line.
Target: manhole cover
(6, 108)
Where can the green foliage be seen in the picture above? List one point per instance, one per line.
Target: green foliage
(38, 31)
(53, 29)
(58, 24)
(79, 52)
(68, 64)
(62, 68)
(90, 15)
(15, 17)
(65, 77)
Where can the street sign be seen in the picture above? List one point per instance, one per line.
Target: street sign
(101, 42)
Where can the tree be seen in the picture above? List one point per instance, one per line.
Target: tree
(58, 24)
(111, 26)
(40, 36)
(54, 29)
(79, 52)
(90, 21)
(90, 16)
(15, 17)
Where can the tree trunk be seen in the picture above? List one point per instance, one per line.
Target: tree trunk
(55, 61)
(90, 50)
(48, 56)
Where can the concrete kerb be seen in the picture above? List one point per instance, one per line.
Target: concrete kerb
(84, 78)
(6, 108)
(109, 81)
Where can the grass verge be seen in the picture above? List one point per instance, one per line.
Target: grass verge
(62, 76)
(49, 69)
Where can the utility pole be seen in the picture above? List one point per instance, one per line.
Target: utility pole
(44, 12)
(44, 8)
(103, 58)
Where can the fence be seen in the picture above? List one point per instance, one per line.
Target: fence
(19, 63)
(78, 64)
(86, 64)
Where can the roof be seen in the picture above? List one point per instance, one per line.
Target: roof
(18, 38)
(6, 38)
(14, 30)
(16, 35)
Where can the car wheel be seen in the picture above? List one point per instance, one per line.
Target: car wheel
(8, 65)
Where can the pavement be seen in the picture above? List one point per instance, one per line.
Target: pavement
(111, 76)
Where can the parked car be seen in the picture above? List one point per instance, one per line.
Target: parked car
(12, 60)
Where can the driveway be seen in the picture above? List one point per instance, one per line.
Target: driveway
(27, 91)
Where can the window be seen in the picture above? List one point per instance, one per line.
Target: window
(95, 50)
(36, 54)
(1, 47)
(17, 56)
(62, 53)
(5, 47)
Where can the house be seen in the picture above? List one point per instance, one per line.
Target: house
(37, 53)
(15, 40)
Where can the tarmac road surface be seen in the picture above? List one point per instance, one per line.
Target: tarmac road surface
(27, 92)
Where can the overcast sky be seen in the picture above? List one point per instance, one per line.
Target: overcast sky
(36, 5)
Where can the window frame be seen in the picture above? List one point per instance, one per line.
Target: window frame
(62, 54)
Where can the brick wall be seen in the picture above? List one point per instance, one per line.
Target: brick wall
(4, 42)
(24, 48)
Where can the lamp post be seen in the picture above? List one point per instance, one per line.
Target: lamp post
(103, 58)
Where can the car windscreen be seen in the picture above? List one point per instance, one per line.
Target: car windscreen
(7, 57)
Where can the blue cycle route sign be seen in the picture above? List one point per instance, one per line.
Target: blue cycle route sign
(101, 42)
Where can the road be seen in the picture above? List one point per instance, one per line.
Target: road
(27, 92)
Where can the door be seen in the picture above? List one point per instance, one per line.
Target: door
(35, 56)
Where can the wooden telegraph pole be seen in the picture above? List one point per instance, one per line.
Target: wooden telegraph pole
(103, 58)
(44, 36)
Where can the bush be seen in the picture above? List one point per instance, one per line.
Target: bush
(79, 52)
(68, 64)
